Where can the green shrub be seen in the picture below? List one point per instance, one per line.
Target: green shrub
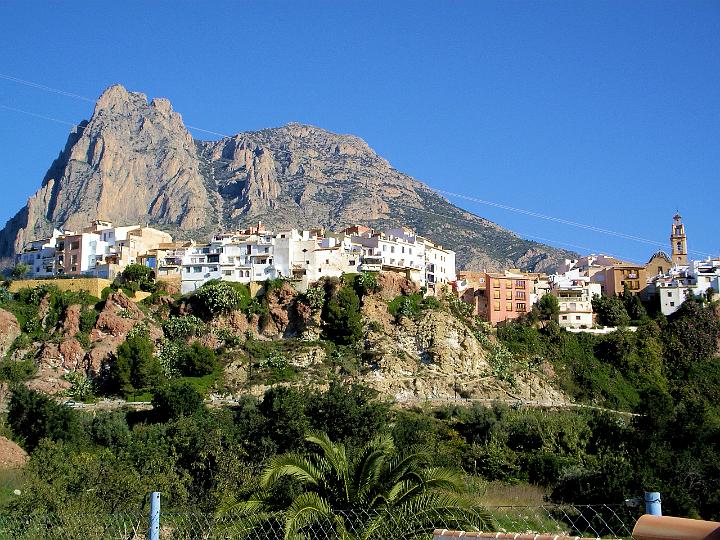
(217, 297)
(17, 371)
(183, 327)
(198, 360)
(88, 318)
(176, 399)
(315, 297)
(405, 306)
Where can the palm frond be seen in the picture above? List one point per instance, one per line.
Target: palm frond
(293, 465)
(442, 478)
(307, 509)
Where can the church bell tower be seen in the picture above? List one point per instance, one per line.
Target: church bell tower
(678, 241)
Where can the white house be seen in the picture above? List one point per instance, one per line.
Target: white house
(683, 281)
(574, 292)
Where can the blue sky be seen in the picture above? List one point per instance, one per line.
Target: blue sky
(605, 113)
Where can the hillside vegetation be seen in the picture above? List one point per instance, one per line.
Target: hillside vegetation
(338, 359)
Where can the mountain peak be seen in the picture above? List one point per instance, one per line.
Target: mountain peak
(135, 162)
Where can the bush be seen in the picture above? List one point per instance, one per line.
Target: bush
(405, 306)
(17, 371)
(217, 297)
(88, 318)
(176, 399)
(110, 429)
(315, 297)
(182, 327)
(198, 361)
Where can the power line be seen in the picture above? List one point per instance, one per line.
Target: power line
(439, 191)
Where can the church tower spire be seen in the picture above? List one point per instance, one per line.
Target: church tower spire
(678, 241)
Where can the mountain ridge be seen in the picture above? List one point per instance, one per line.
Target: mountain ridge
(135, 161)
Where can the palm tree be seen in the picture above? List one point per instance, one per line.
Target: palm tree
(379, 493)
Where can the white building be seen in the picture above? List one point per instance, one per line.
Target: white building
(100, 250)
(304, 257)
(39, 256)
(684, 281)
(574, 292)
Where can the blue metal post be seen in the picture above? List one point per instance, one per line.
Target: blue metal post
(653, 505)
(154, 531)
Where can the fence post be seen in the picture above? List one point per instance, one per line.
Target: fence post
(653, 505)
(154, 529)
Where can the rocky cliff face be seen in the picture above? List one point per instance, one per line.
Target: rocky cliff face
(134, 161)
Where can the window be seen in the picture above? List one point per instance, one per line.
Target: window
(508, 306)
(327, 261)
(672, 304)
(496, 283)
(577, 317)
(74, 245)
(410, 251)
(520, 283)
(73, 259)
(520, 295)
(319, 270)
(37, 269)
(564, 317)
(508, 284)
(679, 246)
(496, 306)
(669, 294)
(402, 249)
(660, 270)
(351, 263)
(197, 269)
(520, 306)
(496, 294)
(392, 249)
(508, 294)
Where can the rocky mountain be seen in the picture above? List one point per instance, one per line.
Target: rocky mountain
(135, 161)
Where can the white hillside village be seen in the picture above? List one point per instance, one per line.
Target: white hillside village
(303, 257)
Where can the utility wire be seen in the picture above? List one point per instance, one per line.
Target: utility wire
(436, 190)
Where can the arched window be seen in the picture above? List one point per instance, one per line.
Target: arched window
(679, 246)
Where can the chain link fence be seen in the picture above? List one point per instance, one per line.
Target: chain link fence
(596, 521)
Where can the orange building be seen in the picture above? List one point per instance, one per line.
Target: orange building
(497, 296)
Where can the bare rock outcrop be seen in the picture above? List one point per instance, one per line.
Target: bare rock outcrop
(71, 320)
(393, 284)
(9, 331)
(117, 318)
(11, 455)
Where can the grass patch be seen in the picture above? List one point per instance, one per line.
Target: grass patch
(205, 383)
(10, 480)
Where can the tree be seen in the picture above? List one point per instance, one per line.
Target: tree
(633, 306)
(32, 416)
(610, 311)
(135, 366)
(138, 273)
(376, 493)
(176, 399)
(549, 307)
(20, 271)
(343, 323)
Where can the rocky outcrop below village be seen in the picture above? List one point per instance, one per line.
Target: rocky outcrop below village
(433, 353)
(134, 161)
